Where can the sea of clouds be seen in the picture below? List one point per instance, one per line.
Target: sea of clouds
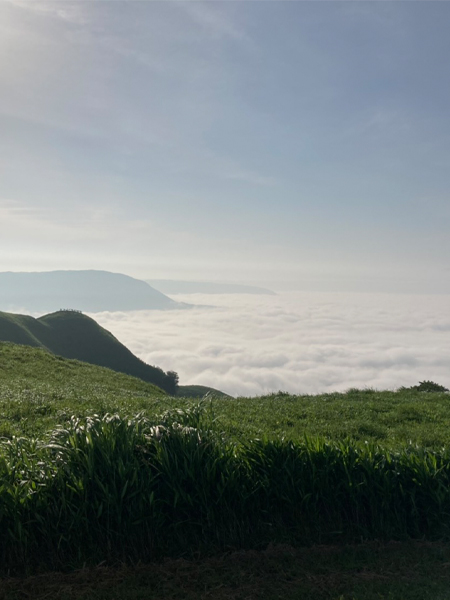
(300, 342)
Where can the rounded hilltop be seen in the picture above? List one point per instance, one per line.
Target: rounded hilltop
(72, 334)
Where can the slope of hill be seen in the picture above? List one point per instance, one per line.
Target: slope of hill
(90, 291)
(74, 335)
(138, 489)
(39, 391)
(200, 391)
(168, 286)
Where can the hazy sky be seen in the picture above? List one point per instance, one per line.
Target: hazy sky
(268, 142)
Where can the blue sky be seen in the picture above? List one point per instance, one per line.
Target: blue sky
(291, 144)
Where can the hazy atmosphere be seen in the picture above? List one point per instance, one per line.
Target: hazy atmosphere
(298, 146)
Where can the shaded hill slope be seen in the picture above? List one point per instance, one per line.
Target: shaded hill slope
(90, 291)
(74, 335)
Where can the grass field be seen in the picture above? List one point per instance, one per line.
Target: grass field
(392, 419)
(97, 466)
(39, 391)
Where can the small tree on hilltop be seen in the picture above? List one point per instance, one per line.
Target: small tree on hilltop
(172, 382)
(424, 386)
(430, 386)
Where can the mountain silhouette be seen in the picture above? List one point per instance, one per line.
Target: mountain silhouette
(89, 291)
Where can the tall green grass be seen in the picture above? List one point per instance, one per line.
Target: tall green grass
(108, 488)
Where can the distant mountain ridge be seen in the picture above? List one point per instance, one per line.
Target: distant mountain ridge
(89, 291)
(169, 286)
(74, 335)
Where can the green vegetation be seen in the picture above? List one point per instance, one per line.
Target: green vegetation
(427, 386)
(39, 391)
(199, 391)
(99, 466)
(392, 419)
(106, 488)
(74, 335)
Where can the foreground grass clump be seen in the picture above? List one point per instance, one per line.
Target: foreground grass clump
(107, 488)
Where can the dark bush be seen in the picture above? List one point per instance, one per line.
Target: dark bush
(425, 386)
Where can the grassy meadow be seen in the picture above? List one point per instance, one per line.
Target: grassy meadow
(39, 391)
(97, 467)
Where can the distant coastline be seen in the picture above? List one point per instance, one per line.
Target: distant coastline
(171, 286)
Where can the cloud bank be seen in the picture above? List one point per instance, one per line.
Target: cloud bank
(296, 342)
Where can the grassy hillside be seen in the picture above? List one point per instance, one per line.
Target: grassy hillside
(39, 391)
(393, 419)
(106, 468)
(35, 384)
(200, 391)
(20, 329)
(74, 335)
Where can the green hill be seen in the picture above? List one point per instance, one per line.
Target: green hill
(200, 391)
(74, 335)
(39, 390)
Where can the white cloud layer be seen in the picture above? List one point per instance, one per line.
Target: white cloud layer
(296, 342)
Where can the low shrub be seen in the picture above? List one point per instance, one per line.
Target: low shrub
(425, 386)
